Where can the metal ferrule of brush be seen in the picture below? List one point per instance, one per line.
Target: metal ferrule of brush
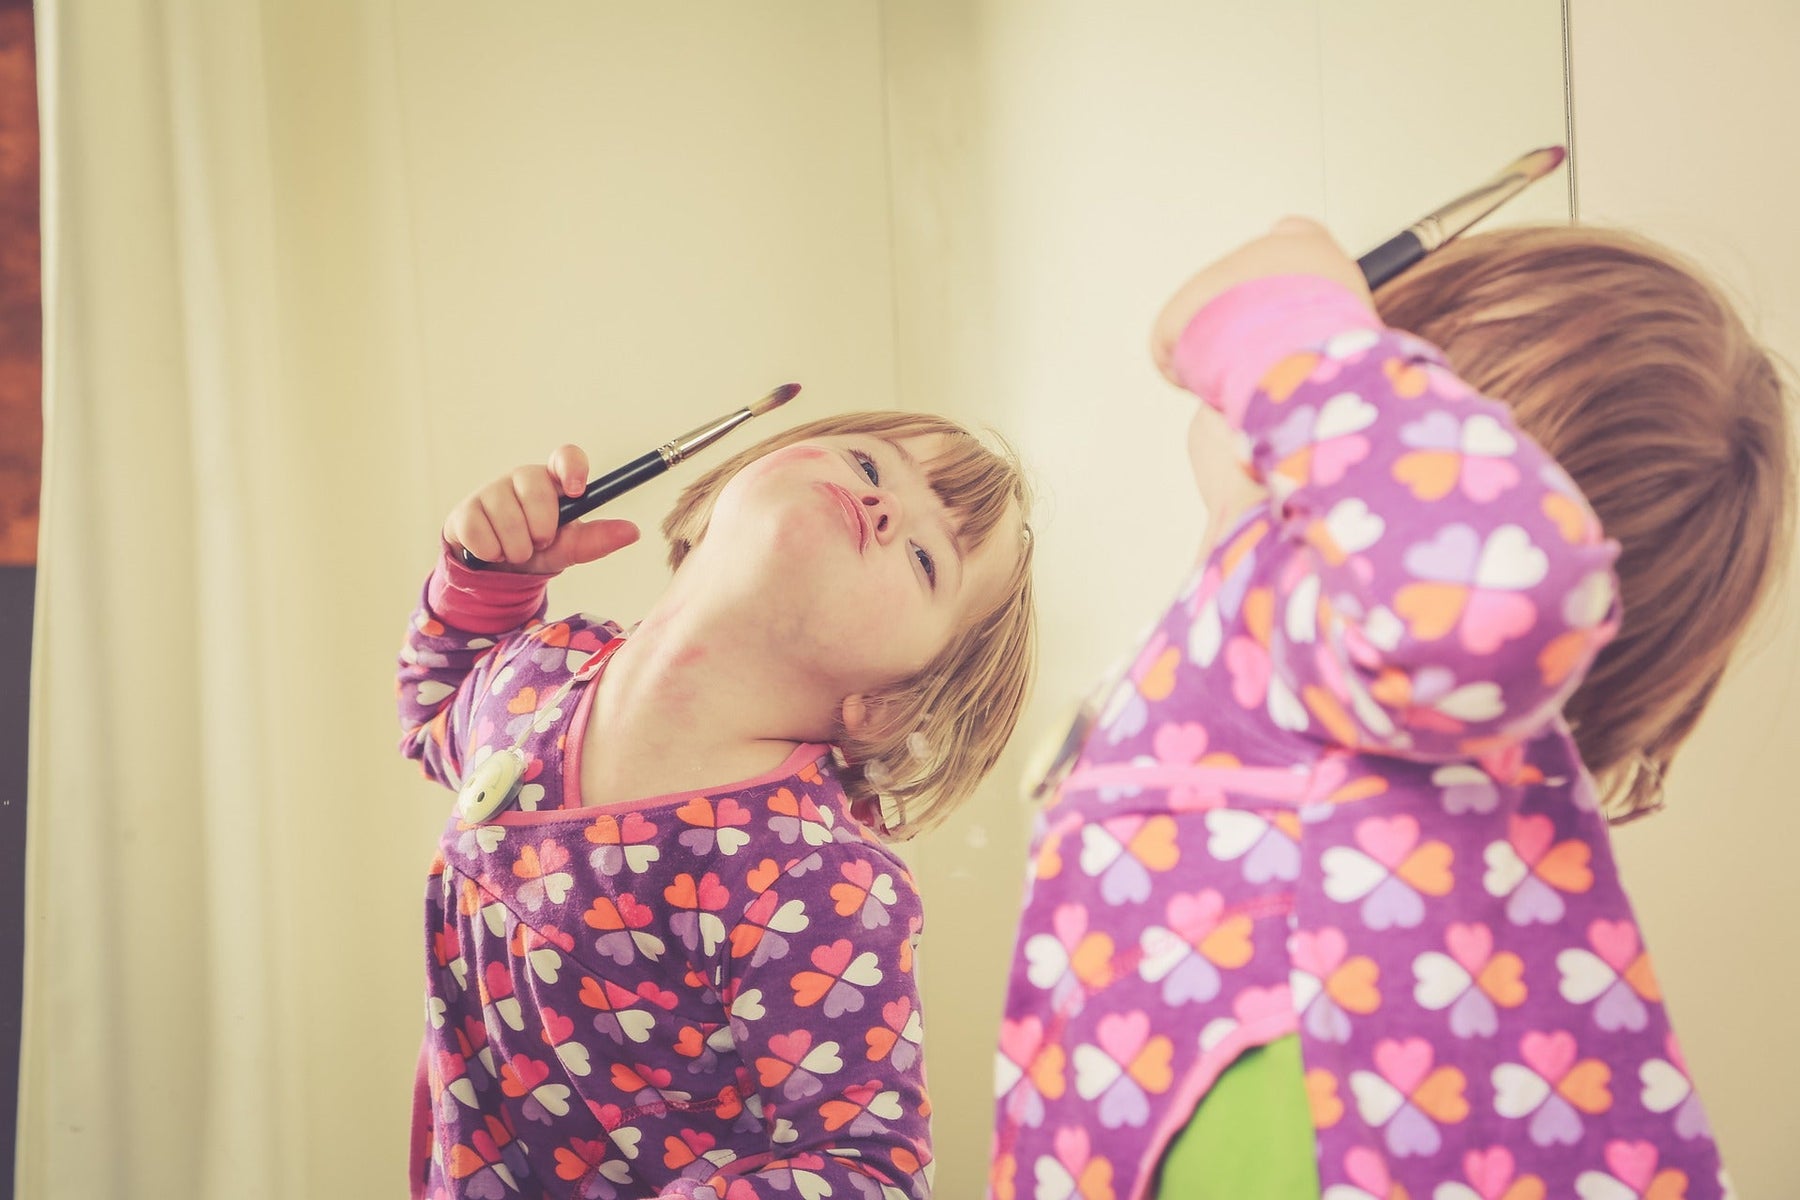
(1455, 217)
(696, 440)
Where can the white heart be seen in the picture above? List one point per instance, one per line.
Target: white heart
(712, 931)
(1347, 345)
(864, 970)
(1099, 849)
(495, 916)
(1204, 639)
(1510, 562)
(884, 889)
(1006, 1074)
(1452, 1191)
(1095, 1071)
(639, 858)
(1350, 874)
(1518, 1090)
(508, 1008)
(732, 839)
(1046, 960)
(785, 1133)
(1441, 980)
(1344, 413)
(464, 1090)
(815, 833)
(1285, 708)
(1304, 987)
(1664, 1085)
(886, 1106)
(1590, 600)
(489, 836)
(573, 660)
(721, 1040)
(1163, 949)
(529, 797)
(1483, 435)
(502, 677)
(1592, 1185)
(648, 945)
(627, 1139)
(1376, 1098)
(574, 1056)
(1584, 976)
(430, 691)
(554, 1097)
(748, 1006)
(1506, 870)
(1353, 527)
(434, 1011)
(637, 1023)
(545, 963)
(459, 967)
(1053, 1182)
(1231, 832)
(557, 886)
(790, 917)
(1473, 702)
(823, 1059)
(1216, 1031)
(1382, 629)
(1303, 610)
(812, 1187)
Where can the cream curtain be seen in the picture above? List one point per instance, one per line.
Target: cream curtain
(210, 1001)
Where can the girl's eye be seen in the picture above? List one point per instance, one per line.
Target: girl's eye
(924, 557)
(868, 466)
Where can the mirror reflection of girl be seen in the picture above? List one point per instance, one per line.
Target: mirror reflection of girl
(1327, 904)
(680, 963)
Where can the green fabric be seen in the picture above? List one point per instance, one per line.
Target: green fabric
(1252, 1136)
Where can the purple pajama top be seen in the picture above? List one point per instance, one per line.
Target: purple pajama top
(1335, 796)
(707, 996)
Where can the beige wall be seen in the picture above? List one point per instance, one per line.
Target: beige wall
(1684, 129)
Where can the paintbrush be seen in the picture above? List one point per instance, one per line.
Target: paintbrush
(646, 467)
(1428, 233)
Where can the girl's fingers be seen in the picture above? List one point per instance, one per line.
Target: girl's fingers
(569, 467)
(504, 511)
(535, 490)
(585, 541)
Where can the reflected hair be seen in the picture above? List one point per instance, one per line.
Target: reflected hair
(932, 737)
(1633, 371)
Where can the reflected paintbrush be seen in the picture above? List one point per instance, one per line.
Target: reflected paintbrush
(1428, 233)
(648, 466)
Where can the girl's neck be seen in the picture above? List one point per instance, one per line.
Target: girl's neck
(694, 700)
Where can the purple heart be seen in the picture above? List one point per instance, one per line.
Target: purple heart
(1293, 434)
(842, 998)
(1556, 1123)
(801, 1084)
(874, 914)
(1619, 1008)
(1474, 1015)
(686, 926)
(485, 1184)
(1130, 719)
(1449, 557)
(1392, 904)
(769, 947)
(1024, 1105)
(811, 862)
(1478, 796)
(608, 1023)
(1437, 431)
(1126, 881)
(1276, 856)
(1193, 979)
(1534, 901)
(533, 1111)
(1124, 1103)
(1412, 1133)
(1327, 1021)
(617, 946)
(608, 860)
(905, 1054)
(1690, 1119)
(700, 841)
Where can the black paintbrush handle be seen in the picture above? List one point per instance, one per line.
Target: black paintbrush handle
(1390, 258)
(609, 486)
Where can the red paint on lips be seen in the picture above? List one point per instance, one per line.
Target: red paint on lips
(852, 513)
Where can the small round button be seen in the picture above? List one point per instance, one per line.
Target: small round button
(493, 786)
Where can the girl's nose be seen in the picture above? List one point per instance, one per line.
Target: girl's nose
(882, 508)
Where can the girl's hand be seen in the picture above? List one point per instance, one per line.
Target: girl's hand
(1295, 246)
(511, 523)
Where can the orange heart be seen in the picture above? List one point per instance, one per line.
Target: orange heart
(592, 994)
(698, 811)
(1431, 609)
(1049, 861)
(1427, 869)
(1392, 688)
(1047, 1072)
(1242, 545)
(1431, 474)
(1528, 1188)
(1096, 1180)
(525, 701)
(1353, 985)
(1503, 979)
(810, 987)
(1642, 979)
(683, 893)
(1259, 613)
(849, 898)
(770, 1070)
(689, 1043)
(555, 635)
(1585, 1086)
(1229, 944)
(905, 1159)
(1154, 844)
(1565, 868)
(762, 875)
(464, 1162)
(1285, 377)
(1325, 707)
(838, 1113)
(1440, 1097)
(1567, 516)
(1322, 1097)
(1092, 959)
(1151, 1067)
(1562, 655)
(677, 1153)
(1408, 379)
(1159, 680)
(1356, 789)
(1669, 1184)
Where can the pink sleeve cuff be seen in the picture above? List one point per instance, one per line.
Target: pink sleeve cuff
(482, 601)
(1235, 339)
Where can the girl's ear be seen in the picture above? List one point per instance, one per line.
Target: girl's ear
(856, 712)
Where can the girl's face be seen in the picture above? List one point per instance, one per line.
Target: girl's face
(850, 557)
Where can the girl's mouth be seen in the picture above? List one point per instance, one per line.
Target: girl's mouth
(852, 514)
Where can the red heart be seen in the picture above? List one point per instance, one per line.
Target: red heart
(557, 1028)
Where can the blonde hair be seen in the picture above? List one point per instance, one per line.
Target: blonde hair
(930, 738)
(1637, 376)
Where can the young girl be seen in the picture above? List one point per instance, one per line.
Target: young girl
(1327, 904)
(675, 959)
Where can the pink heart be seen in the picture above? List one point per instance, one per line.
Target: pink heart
(1019, 1040)
(1249, 666)
(1549, 1054)
(791, 1047)
(1332, 458)
(1318, 954)
(1261, 1004)
(1490, 1172)
(1404, 1064)
(633, 828)
(1616, 942)
(1180, 744)
(1531, 837)
(1470, 945)
(1388, 840)
(1633, 1162)
(1368, 1171)
(1494, 618)
(1148, 658)
(1122, 1035)
(834, 958)
(1485, 478)
(731, 813)
(1072, 1148)
(1195, 916)
(1070, 921)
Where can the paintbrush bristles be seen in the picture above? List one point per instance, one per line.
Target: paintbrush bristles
(1538, 163)
(775, 399)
